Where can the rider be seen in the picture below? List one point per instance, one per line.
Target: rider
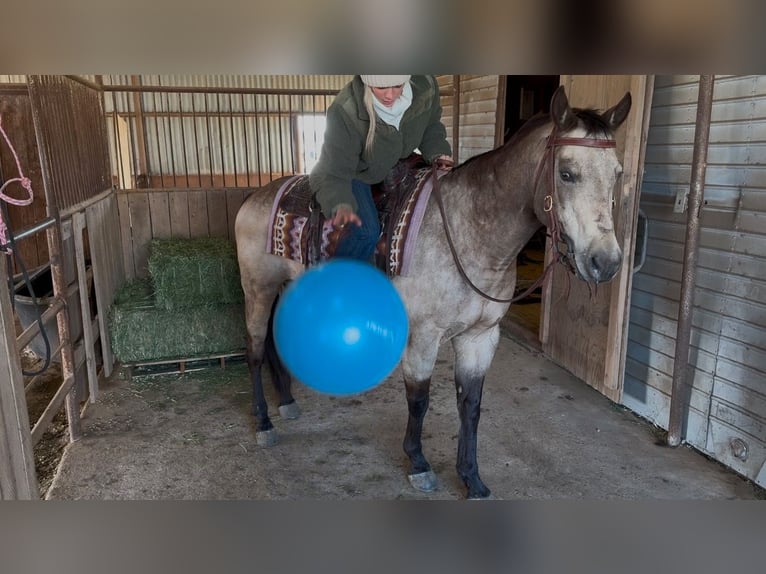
(358, 152)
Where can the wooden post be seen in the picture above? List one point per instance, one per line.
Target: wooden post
(18, 480)
(78, 226)
(456, 118)
(142, 169)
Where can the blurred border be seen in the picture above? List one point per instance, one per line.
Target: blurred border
(344, 36)
(372, 537)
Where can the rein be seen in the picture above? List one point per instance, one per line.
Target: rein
(554, 227)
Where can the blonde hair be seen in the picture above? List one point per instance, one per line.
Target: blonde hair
(368, 95)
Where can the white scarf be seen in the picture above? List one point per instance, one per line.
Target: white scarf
(393, 115)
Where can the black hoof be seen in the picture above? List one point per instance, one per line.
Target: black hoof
(478, 492)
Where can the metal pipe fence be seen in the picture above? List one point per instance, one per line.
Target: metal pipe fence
(196, 137)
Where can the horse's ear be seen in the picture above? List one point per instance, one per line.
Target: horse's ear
(616, 115)
(561, 114)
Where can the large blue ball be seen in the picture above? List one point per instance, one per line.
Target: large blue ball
(341, 327)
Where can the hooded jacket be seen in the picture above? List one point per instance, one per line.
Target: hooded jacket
(343, 158)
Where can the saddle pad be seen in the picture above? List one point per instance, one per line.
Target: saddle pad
(287, 236)
(404, 232)
(287, 222)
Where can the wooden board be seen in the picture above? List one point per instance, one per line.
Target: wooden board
(586, 332)
(218, 225)
(17, 467)
(152, 214)
(179, 214)
(78, 227)
(109, 274)
(160, 215)
(198, 213)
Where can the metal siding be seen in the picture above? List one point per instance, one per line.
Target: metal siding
(728, 350)
(242, 132)
(478, 107)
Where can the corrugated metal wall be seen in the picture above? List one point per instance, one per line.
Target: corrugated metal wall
(212, 133)
(478, 107)
(288, 82)
(727, 415)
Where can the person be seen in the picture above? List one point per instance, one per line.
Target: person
(372, 123)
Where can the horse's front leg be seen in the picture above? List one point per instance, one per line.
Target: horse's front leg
(417, 365)
(473, 356)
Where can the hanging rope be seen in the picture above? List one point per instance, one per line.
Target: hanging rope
(8, 246)
(22, 180)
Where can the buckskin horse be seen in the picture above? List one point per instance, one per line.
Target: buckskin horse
(560, 171)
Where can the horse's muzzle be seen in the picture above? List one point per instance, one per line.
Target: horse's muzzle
(602, 266)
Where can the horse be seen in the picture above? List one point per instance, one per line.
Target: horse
(559, 170)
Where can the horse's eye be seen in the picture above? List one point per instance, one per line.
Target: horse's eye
(566, 175)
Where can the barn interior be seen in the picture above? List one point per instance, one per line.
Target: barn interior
(119, 162)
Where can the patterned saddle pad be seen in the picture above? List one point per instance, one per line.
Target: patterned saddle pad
(288, 224)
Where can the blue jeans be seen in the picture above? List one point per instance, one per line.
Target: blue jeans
(359, 242)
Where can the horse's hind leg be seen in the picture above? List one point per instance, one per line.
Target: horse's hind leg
(473, 355)
(258, 309)
(417, 366)
(288, 408)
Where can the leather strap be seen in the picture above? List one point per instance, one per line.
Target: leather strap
(553, 226)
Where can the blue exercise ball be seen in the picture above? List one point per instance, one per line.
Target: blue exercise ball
(341, 327)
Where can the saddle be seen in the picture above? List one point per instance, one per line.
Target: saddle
(298, 229)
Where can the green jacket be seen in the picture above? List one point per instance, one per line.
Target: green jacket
(342, 158)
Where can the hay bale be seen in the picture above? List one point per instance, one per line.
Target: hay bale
(194, 272)
(142, 331)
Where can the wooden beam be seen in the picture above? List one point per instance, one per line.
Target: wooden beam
(456, 118)
(141, 168)
(18, 480)
(502, 83)
(78, 226)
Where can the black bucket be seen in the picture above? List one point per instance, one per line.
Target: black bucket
(27, 309)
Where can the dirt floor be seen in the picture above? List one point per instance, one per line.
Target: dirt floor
(543, 435)
(49, 451)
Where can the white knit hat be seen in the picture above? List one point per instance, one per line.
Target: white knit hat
(384, 81)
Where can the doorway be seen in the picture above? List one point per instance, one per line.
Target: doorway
(526, 96)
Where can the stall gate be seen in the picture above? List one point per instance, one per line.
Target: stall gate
(83, 244)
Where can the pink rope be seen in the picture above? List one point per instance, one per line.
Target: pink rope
(22, 179)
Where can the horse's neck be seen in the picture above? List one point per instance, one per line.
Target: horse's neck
(496, 192)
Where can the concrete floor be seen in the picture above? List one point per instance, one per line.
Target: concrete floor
(543, 435)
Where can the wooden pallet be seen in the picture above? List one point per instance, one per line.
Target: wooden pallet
(179, 366)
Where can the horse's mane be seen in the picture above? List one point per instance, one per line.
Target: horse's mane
(591, 120)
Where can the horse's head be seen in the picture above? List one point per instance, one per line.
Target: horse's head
(585, 172)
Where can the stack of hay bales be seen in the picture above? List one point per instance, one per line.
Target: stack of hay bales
(190, 306)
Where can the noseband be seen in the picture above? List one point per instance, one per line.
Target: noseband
(553, 141)
(554, 226)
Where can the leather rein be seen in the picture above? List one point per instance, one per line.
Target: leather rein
(552, 142)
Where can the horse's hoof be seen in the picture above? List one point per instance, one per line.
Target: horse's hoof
(290, 412)
(266, 438)
(479, 492)
(489, 496)
(423, 481)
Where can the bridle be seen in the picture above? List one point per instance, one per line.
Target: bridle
(554, 227)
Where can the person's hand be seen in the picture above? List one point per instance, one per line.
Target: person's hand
(444, 162)
(344, 215)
